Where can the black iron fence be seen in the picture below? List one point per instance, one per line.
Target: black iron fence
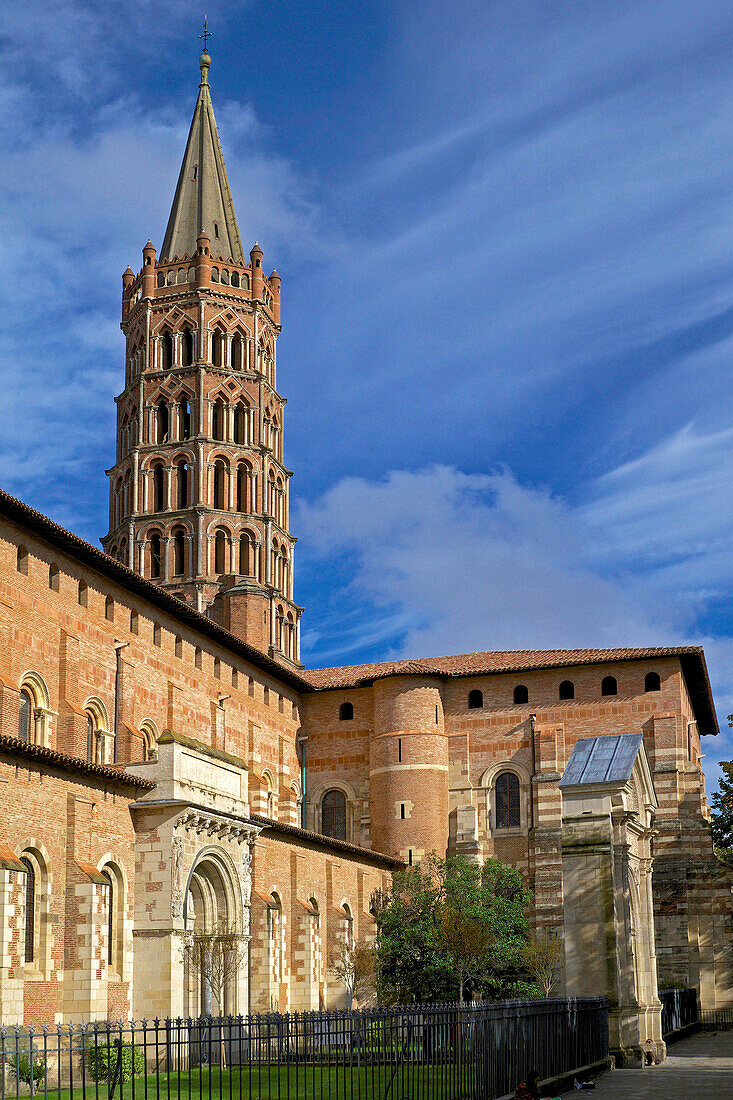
(679, 1009)
(716, 1019)
(441, 1052)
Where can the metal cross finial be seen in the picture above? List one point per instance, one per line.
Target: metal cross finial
(207, 33)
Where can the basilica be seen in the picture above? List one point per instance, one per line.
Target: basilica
(168, 765)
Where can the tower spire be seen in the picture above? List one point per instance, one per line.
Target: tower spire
(203, 200)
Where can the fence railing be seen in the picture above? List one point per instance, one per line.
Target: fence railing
(441, 1052)
(679, 1009)
(716, 1019)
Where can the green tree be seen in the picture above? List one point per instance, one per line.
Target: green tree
(449, 927)
(721, 810)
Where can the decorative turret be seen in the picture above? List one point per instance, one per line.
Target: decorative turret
(148, 270)
(199, 492)
(255, 257)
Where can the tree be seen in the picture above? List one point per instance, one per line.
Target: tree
(355, 966)
(543, 957)
(448, 927)
(721, 810)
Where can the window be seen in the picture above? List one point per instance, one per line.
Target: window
(197, 658)
(521, 694)
(567, 690)
(216, 229)
(220, 547)
(110, 917)
(150, 741)
(235, 278)
(157, 634)
(158, 487)
(179, 553)
(155, 555)
(185, 419)
(245, 555)
(53, 578)
(235, 678)
(219, 483)
(240, 418)
(652, 682)
(269, 796)
(179, 646)
(346, 712)
(182, 484)
(402, 811)
(133, 622)
(21, 560)
(189, 347)
(609, 686)
(24, 716)
(508, 807)
(91, 738)
(163, 422)
(217, 668)
(333, 815)
(242, 480)
(115, 916)
(83, 594)
(166, 351)
(217, 351)
(30, 911)
(109, 609)
(475, 699)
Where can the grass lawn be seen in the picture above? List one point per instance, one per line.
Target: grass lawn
(279, 1082)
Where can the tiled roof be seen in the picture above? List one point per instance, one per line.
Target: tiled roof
(13, 746)
(493, 662)
(320, 841)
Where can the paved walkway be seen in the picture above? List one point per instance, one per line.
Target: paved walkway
(698, 1068)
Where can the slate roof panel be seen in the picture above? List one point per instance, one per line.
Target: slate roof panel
(602, 760)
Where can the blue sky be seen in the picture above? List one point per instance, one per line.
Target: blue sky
(504, 232)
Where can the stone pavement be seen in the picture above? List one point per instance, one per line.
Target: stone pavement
(698, 1068)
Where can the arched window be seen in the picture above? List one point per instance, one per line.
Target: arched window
(333, 814)
(346, 712)
(161, 277)
(246, 557)
(166, 351)
(158, 487)
(219, 484)
(609, 686)
(179, 552)
(349, 922)
(217, 349)
(220, 549)
(269, 795)
(163, 421)
(217, 420)
(225, 273)
(508, 805)
(115, 916)
(652, 682)
(150, 741)
(242, 486)
(53, 577)
(235, 278)
(25, 715)
(475, 699)
(521, 694)
(155, 555)
(240, 421)
(96, 726)
(189, 347)
(566, 690)
(29, 944)
(182, 471)
(185, 418)
(215, 274)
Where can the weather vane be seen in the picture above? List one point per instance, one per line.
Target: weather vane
(207, 33)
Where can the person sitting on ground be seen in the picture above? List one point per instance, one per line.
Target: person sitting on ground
(530, 1087)
(649, 1053)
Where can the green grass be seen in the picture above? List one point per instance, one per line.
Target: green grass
(279, 1082)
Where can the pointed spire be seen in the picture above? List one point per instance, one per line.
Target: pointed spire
(203, 200)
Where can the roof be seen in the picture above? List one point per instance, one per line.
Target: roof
(13, 746)
(66, 542)
(602, 760)
(495, 662)
(365, 854)
(203, 201)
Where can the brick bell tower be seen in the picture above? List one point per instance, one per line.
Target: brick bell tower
(199, 491)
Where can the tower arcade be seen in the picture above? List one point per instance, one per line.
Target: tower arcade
(199, 490)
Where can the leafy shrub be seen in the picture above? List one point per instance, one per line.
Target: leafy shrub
(22, 1068)
(102, 1061)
